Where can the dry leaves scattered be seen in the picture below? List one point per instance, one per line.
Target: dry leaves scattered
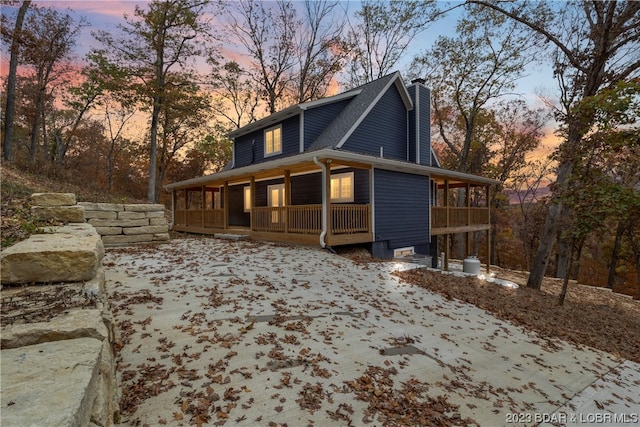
(589, 316)
(407, 405)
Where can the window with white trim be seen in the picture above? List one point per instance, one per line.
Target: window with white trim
(247, 198)
(275, 198)
(273, 141)
(342, 188)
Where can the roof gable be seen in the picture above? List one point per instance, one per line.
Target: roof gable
(363, 100)
(336, 134)
(279, 116)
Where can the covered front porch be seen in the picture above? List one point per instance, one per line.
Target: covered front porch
(325, 197)
(295, 204)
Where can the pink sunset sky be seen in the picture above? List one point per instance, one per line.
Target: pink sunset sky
(107, 14)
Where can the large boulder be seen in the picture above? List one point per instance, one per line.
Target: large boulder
(59, 213)
(69, 254)
(53, 199)
(75, 323)
(51, 384)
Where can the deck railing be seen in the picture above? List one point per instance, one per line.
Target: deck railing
(297, 219)
(207, 218)
(307, 219)
(347, 219)
(214, 218)
(458, 216)
(269, 219)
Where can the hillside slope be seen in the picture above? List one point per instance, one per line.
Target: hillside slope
(15, 188)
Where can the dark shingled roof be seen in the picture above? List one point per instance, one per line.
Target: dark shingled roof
(338, 128)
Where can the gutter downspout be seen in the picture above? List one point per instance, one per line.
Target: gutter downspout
(323, 166)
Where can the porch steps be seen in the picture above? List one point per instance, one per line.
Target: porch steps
(231, 236)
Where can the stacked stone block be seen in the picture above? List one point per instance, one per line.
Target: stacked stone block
(123, 224)
(57, 207)
(59, 371)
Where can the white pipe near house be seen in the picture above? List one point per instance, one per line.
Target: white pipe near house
(324, 201)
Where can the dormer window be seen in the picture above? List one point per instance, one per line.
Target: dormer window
(273, 141)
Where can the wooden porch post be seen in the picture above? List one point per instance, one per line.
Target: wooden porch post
(445, 262)
(489, 229)
(252, 197)
(173, 208)
(226, 204)
(287, 199)
(203, 201)
(467, 235)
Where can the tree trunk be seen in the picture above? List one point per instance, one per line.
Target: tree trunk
(635, 248)
(547, 238)
(153, 153)
(565, 282)
(10, 107)
(35, 130)
(110, 168)
(550, 229)
(525, 243)
(576, 264)
(613, 263)
(161, 172)
(562, 258)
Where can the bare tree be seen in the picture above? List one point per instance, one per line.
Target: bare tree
(467, 73)
(234, 96)
(47, 43)
(165, 37)
(183, 121)
(266, 31)
(596, 44)
(117, 115)
(320, 49)
(15, 37)
(527, 187)
(381, 34)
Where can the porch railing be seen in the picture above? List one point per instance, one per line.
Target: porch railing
(347, 219)
(207, 218)
(458, 216)
(296, 219)
(269, 219)
(214, 218)
(307, 219)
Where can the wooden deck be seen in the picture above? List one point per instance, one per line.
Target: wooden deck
(296, 224)
(303, 223)
(450, 220)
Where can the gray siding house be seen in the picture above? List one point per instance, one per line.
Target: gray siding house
(357, 167)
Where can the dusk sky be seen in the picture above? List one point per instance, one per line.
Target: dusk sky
(107, 14)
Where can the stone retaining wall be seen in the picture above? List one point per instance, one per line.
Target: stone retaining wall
(58, 367)
(123, 224)
(118, 223)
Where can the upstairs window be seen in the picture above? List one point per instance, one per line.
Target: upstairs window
(342, 188)
(273, 141)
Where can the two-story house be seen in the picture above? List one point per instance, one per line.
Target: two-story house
(357, 167)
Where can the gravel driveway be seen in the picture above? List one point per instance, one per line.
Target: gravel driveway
(216, 332)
